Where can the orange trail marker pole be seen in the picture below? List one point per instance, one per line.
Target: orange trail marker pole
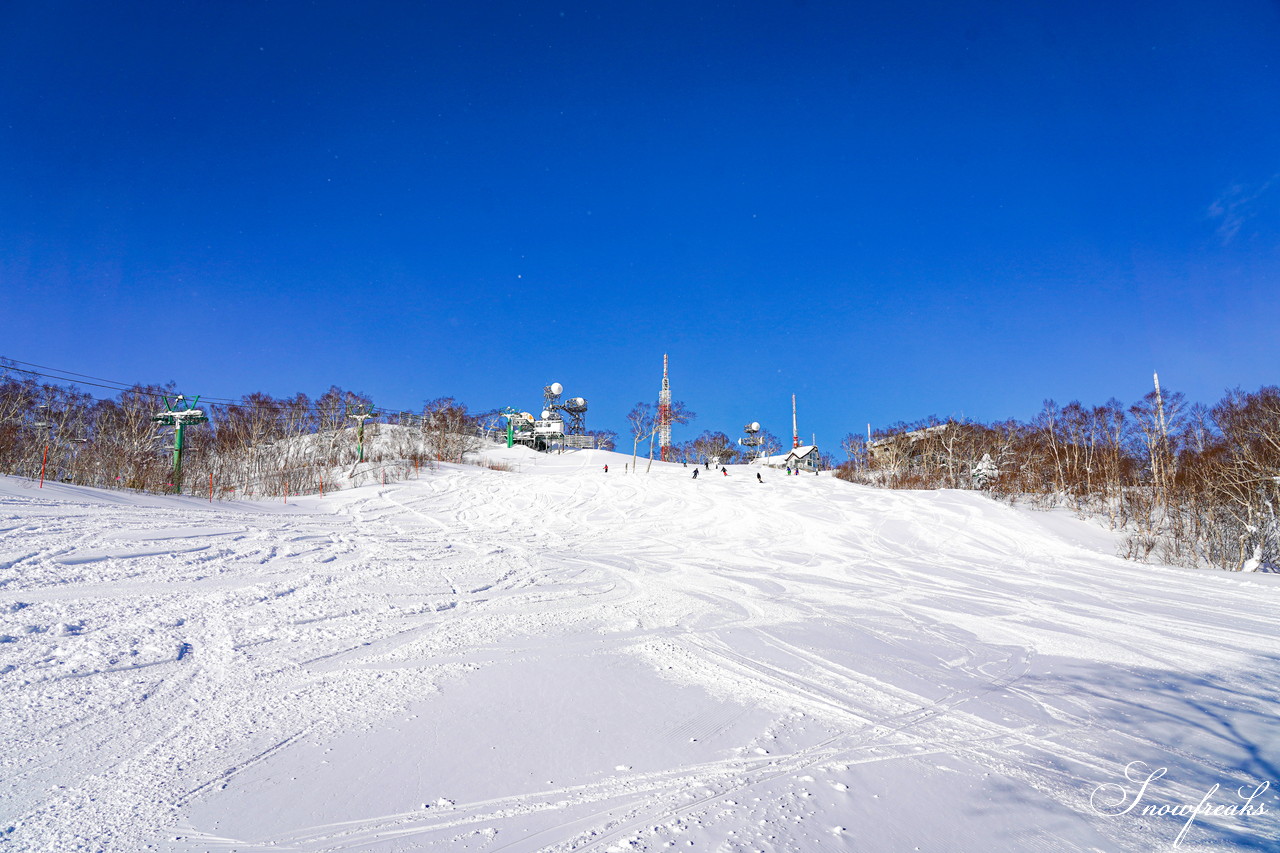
(43, 460)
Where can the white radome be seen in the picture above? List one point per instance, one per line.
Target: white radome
(557, 389)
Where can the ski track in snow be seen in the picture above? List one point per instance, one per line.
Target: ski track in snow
(561, 659)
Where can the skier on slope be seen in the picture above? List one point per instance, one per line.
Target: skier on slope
(606, 469)
(695, 473)
(759, 479)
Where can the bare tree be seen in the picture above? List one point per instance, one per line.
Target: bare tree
(713, 446)
(854, 446)
(606, 439)
(449, 430)
(770, 444)
(643, 423)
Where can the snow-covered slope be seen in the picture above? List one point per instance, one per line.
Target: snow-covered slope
(562, 658)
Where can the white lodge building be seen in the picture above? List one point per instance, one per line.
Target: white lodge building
(804, 458)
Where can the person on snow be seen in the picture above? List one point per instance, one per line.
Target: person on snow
(606, 469)
(695, 473)
(724, 471)
(759, 479)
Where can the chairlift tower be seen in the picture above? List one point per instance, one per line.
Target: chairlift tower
(181, 413)
(511, 414)
(360, 414)
(44, 427)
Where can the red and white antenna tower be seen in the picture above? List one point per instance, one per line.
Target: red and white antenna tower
(664, 413)
(795, 430)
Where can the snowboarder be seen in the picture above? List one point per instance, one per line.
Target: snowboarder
(759, 479)
(606, 469)
(724, 471)
(706, 465)
(695, 473)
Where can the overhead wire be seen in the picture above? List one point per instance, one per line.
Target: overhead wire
(77, 379)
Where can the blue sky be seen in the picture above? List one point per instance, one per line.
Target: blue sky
(891, 210)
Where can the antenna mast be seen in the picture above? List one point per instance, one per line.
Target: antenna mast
(795, 430)
(664, 413)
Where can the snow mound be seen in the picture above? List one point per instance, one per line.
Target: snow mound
(552, 657)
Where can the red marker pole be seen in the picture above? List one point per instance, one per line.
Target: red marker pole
(43, 460)
(210, 487)
(322, 485)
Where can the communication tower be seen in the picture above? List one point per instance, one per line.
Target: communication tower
(559, 424)
(753, 438)
(575, 409)
(551, 396)
(664, 413)
(550, 426)
(795, 430)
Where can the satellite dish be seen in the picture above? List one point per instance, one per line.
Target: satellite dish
(545, 414)
(575, 404)
(557, 389)
(755, 426)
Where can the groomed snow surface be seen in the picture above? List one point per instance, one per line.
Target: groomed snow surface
(559, 658)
